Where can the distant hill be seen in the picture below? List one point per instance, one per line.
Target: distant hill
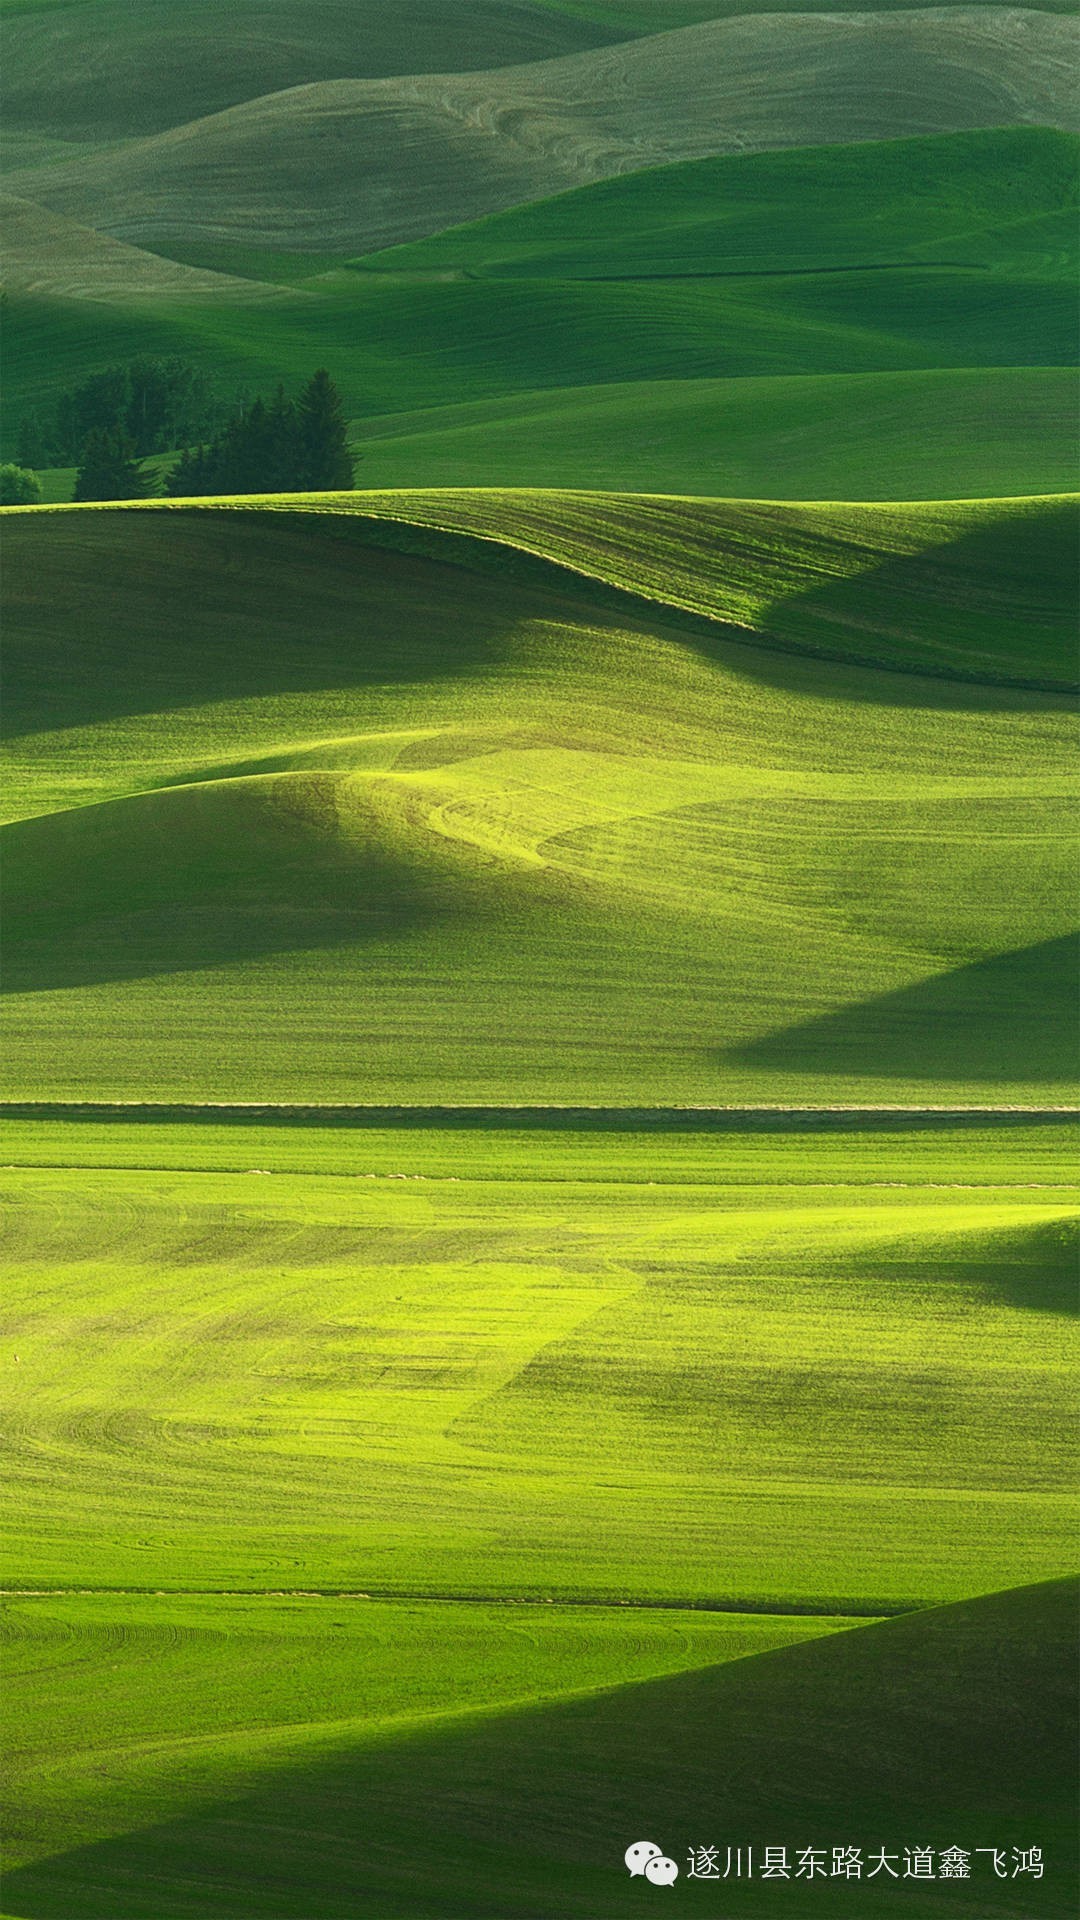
(1005, 198)
(102, 69)
(352, 164)
(45, 253)
(87, 70)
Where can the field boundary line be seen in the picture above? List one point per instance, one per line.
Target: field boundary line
(781, 1609)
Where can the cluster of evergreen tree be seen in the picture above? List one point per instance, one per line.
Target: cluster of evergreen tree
(153, 404)
(109, 470)
(287, 447)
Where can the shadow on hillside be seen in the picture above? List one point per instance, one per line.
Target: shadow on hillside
(1008, 1019)
(996, 605)
(952, 1727)
(197, 877)
(115, 614)
(1034, 1267)
(1031, 1267)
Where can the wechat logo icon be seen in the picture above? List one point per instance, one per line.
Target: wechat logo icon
(646, 1860)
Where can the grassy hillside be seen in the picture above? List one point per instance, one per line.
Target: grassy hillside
(977, 589)
(423, 1367)
(85, 71)
(943, 268)
(890, 436)
(954, 1723)
(988, 201)
(44, 253)
(103, 69)
(414, 784)
(349, 165)
(539, 997)
(292, 1676)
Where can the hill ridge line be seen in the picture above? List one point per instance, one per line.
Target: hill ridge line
(631, 599)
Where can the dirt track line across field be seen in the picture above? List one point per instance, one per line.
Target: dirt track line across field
(481, 1115)
(855, 1610)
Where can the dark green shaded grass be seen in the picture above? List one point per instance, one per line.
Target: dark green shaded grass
(932, 1022)
(98, 1688)
(958, 1725)
(395, 348)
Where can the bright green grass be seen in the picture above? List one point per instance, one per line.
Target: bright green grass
(807, 1367)
(957, 1726)
(378, 826)
(987, 588)
(442, 1377)
(634, 1148)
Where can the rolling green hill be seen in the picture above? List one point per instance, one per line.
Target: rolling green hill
(405, 1372)
(954, 1723)
(893, 340)
(887, 436)
(415, 783)
(349, 165)
(539, 997)
(976, 589)
(102, 69)
(1000, 200)
(43, 253)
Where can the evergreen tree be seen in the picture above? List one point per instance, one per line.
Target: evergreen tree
(283, 469)
(31, 442)
(280, 448)
(325, 461)
(184, 478)
(108, 469)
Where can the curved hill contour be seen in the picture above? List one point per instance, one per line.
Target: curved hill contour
(361, 164)
(100, 69)
(979, 589)
(952, 1726)
(46, 253)
(389, 821)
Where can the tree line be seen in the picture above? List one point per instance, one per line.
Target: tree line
(290, 446)
(109, 424)
(152, 404)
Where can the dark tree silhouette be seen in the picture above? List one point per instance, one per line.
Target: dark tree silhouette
(109, 470)
(157, 404)
(325, 460)
(281, 448)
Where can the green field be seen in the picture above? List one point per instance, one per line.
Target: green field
(883, 341)
(539, 1090)
(549, 1367)
(353, 162)
(415, 784)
